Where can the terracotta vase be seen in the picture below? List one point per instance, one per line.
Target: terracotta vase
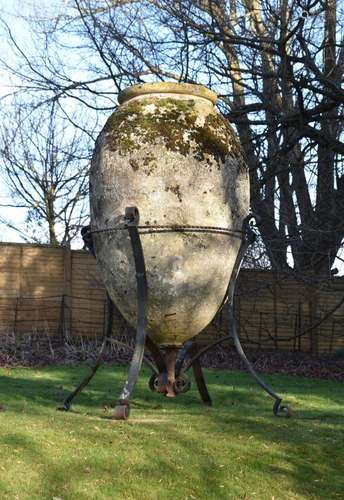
(167, 151)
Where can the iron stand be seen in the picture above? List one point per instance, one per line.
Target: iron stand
(169, 374)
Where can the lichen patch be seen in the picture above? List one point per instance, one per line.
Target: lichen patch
(175, 189)
(176, 124)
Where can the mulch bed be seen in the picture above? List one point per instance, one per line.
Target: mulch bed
(282, 362)
(41, 350)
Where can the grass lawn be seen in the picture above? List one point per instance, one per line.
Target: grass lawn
(169, 449)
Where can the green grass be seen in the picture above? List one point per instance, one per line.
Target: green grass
(169, 449)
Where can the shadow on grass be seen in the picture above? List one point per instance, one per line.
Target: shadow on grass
(307, 449)
(309, 452)
(311, 443)
(305, 463)
(53, 384)
(62, 478)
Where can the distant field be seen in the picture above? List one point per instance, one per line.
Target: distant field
(169, 449)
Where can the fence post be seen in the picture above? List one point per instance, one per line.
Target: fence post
(301, 326)
(15, 318)
(314, 333)
(60, 329)
(67, 292)
(275, 307)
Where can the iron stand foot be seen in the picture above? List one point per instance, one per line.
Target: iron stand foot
(282, 410)
(182, 384)
(64, 407)
(158, 382)
(121, 412)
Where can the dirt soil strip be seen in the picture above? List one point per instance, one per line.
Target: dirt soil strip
(36, 350)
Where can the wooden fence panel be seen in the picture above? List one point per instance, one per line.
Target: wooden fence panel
(88, 295)
(56, 290)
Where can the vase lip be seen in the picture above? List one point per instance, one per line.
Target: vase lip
(166, 88)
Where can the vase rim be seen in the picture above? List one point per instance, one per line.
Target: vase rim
(166, 88)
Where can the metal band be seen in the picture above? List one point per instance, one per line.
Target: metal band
(151, 229)
(140, 268)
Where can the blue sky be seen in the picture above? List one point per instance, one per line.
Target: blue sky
(11, 10)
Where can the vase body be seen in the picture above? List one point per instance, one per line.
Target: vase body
(168, 152)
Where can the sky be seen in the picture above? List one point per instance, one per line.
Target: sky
(11, 11)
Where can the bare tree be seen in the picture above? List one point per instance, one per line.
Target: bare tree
(45, 170)
(278, 68)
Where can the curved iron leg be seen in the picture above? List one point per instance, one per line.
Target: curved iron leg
(161, 373)
(108, 332)
(202, 351)
(198, 374)
(156, 355)
(278, 409)
(122, 409)
(182, 355)
(193, 352)
(201, 385)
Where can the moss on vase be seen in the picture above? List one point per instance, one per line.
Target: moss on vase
(175, 123)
